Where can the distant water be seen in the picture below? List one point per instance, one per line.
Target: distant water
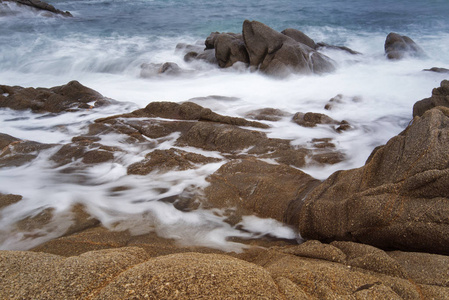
(106, 42)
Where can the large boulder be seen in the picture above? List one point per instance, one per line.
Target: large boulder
(69, 97)
(399, 199)
(397, 47)
(277, 54)
(440, 97)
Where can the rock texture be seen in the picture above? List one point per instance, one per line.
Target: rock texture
(399, 199)
(277, 54)
(69, 97)
(313, 270)
(42, 6)
(440, 97)
(398, 47)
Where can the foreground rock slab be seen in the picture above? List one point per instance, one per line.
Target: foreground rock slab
(312, 270)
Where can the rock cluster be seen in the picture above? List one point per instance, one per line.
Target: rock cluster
(357, 222)
(263, 48)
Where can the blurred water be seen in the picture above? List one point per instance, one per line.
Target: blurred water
(103, 47)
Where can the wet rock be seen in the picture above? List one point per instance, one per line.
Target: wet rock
(148, 70)
(437, 70)
(15, 152)
(256, 187)
(69, 97)
(333, 47)
(229, 49)
(398, 200)
(42, 6)
(85, 151)
(340, 99)
(277, 54)
(267, 114)
(313, 119)
(171, 159)
(8, 199)
(440, 97)
(398, 47)
(300, 37)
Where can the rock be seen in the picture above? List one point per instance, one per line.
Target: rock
(15, 152)
(42, 6)
(313, 119)
(398, 200)
(171, 159)
(440, 97)
(437, 70)
(317, 250)
(300, 37)
(398, 47)
(6, 200)
(229, 49)
(277, 54)
(256, 187)
(69, 97)
(148, 70)
(267, 114)
(341, 48)
(192, 275)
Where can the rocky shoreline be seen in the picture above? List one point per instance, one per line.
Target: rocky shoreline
(380, 231)
(367, 219)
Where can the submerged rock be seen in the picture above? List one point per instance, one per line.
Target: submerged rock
(437, 70)
(398, 47)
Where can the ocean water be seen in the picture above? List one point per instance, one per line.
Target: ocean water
(104, 45)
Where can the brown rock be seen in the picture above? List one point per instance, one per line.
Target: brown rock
(42, 6)
(256, 187)
(167, 160)
(397, 47)
(397, 200)
(440, 97)
(192, 275)
(69, 97)
(229, 49)
(312, 119)
(277, 54)
(8, 199)
(300, 37)
(267, 114)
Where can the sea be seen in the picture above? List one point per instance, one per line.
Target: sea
(105, 44)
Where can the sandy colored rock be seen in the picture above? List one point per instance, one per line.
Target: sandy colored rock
(440, 97)
(192, 275)
(256, 187)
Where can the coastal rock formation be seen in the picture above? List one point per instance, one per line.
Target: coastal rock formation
(229, 48)
(307, 271)
(440, 97)
(42, 6)
(69, 97)
(277, 54)
(397, 47)
(398, 200)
